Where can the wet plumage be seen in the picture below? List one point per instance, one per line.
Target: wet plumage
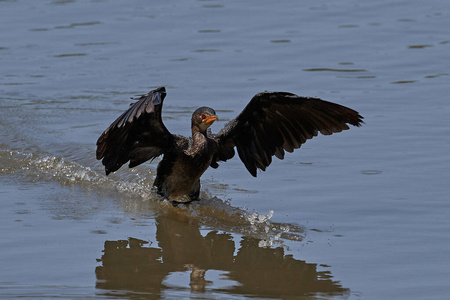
(271, 123)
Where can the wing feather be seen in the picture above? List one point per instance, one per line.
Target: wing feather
(275, 122)
(137, 135)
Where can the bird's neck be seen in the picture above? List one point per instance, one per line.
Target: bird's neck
(199, 143)
(198, 136)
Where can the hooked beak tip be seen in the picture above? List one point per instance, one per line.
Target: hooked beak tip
(209, 120)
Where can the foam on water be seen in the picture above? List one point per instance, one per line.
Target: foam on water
(210, 212)
(50, 168)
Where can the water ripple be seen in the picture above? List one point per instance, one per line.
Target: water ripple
(211, 212)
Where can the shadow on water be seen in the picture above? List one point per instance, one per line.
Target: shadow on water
(132, 267)
(185, 260)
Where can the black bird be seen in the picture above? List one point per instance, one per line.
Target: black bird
(271, 123)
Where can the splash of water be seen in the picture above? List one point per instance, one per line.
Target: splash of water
(210, 212)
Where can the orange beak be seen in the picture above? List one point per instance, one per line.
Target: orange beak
(209, 120)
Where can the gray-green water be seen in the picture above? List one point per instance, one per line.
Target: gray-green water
(363, 214)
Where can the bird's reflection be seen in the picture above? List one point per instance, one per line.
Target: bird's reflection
(135, 267)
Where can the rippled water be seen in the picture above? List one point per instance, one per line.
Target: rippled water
(362, 214)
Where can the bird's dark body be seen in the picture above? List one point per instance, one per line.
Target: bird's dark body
(179, 172)
(272, 123)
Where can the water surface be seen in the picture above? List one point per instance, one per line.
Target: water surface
(362, 214)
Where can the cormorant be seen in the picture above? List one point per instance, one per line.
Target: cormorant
(271, 123)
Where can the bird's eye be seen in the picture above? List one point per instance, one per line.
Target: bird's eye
(203, 116)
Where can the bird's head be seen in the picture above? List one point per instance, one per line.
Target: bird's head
(203, 117)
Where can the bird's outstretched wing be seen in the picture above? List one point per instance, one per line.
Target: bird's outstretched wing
(137, 135)
(274, 122)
